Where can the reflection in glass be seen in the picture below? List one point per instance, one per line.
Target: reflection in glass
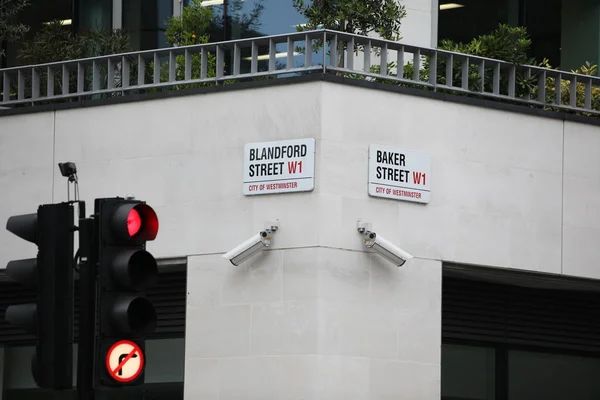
(468, 372)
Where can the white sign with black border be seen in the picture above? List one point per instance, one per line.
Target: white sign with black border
(279, 167)
(400, 174)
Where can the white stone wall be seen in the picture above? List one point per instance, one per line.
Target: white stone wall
(316, 315)
(313, 323)
(419, 27)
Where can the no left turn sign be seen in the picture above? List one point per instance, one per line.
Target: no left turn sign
(124, 361)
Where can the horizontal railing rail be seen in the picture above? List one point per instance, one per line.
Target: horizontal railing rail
(270, 57)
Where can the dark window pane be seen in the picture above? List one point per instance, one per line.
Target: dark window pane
(144, 20)
(468, 372)
(483, 17)
(95, 15)
(552, 376)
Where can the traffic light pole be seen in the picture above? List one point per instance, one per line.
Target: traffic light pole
(87, 318)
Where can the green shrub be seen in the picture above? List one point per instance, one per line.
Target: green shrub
(506, 43)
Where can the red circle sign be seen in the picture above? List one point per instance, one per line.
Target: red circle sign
(124, 361)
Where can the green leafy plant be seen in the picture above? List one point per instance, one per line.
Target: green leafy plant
(199, 25)
(192, 27)
(10, 28)
(360, 17)
(506, 43)
(53, 43)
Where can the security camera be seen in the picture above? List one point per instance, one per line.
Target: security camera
(385, 249)
(250, 247)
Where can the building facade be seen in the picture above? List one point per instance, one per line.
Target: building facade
(498, 301)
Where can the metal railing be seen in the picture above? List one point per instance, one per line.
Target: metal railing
(322, 51)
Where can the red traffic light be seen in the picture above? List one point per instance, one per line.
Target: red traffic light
(136, 221)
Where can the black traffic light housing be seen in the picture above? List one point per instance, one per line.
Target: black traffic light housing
(126, 272)
(50, 318)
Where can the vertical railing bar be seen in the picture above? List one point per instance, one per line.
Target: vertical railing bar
(50, 82)
(172, 66)
(400, 62)
(542, 87)
(573, 91)
(308, 50)
(417, 65)
(383, 60)
(254, 58)
(588, 94)
(465, 73)
(527, 95)
(5, 86)
(125, 72)
(496, 79)
(110, 76)
(65, 79)
(272, 54)
(35, 83)
(156, 77)
(558, 89)
(324, 52)
(20, 85)
(481, 76)
(204, 63)
(333, 51)
(188, 65)
(220, 62)
(433, 68)
(512, 80)
(350, 54)
(95, 76)
(237, 53)
(141, 70)
(367, 56)
(80, 78)
(290, 54)
(449, 70)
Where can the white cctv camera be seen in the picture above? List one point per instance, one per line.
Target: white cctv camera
(251, 246)
(384, 248)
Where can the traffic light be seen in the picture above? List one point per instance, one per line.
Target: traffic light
(50, 318)
(126, 272)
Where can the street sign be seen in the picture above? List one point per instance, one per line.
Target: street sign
(124, 361)
(279, 167)
(399, 174)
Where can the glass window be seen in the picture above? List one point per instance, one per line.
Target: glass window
(542, 18)
(144, 20)
(468, 372)
(552, 376)
(543, 21)
(95, 15)
(277, 17)
(482, 16)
